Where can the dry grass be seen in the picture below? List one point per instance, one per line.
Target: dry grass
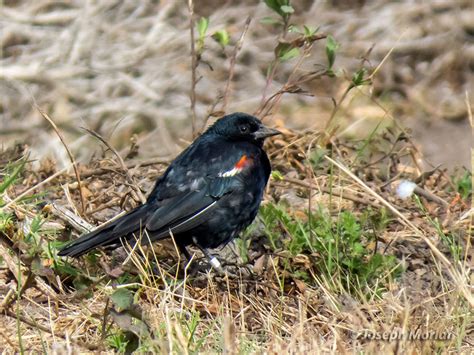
(267, 309)
(122, 69)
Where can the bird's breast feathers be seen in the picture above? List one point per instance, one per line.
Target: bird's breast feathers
(243, 163)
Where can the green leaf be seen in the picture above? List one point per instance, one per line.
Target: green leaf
(331, 47)
(317, 156)
(358, 248)
(358, 78)
(202, 26)
(127, 321)
(65, 268)
(10, 178)
(286, 51)
(276, 175)
(287, 9)
(292, 53)
(274, 5)
(294, 29)
(221, 37)
(310, 31)
(6, 220)
(122, 299)
(270, 21)
(281, 7)
(463, 184)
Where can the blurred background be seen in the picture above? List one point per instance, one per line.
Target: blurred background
(123, 69)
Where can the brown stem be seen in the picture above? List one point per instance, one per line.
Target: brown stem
(71, 157)
(267, 105)
(121, 162)
(194, 64)
(35, 325)
(130, 164)
(237, 48)
(263, 102)
(332, 130)
(339, 193)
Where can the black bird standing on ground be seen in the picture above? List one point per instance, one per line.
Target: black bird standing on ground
(206, 197)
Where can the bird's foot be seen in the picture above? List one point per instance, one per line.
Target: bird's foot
(212, 263)
(199, 266)
(224, 268)
(205, 265)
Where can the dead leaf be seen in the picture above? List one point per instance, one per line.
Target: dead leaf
(300, 285)
(258, 266)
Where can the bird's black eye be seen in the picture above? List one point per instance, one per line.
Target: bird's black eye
(244, 129)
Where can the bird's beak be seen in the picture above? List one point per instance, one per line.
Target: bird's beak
(264, 132)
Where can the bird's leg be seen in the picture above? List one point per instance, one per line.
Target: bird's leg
(217, 265)
(193, 268)
(182, 249)
(212, 259)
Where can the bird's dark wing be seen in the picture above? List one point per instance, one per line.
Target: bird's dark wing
(177, 214)
(187, 211)
(202, 159)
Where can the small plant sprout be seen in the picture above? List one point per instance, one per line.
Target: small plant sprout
(282, 7)
(202, 26)
(331, 48)
(221, 37)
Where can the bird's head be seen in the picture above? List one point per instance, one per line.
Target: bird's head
(241, 126)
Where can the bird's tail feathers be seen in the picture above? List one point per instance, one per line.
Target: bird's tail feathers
(108, 234)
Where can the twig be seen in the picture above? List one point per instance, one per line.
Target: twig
(194, 64)
(237, 48)
(275, 61)
(72, 219)
(291, 85)
(113, 202)
(22, 274)
(332, 130)
(471, 219)
(104, 319)
(47, 330)
(130, 164)
(71, 157)
(122, 163)
(13, 346)
(269, 80)
(384, 59)
(290, 82)
(107, 144)
(341, 193)
(430, 196)
(337, 105)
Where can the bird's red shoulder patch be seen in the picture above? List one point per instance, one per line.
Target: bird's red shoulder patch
(243, 162)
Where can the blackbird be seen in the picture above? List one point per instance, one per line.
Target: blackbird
(206, 197)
